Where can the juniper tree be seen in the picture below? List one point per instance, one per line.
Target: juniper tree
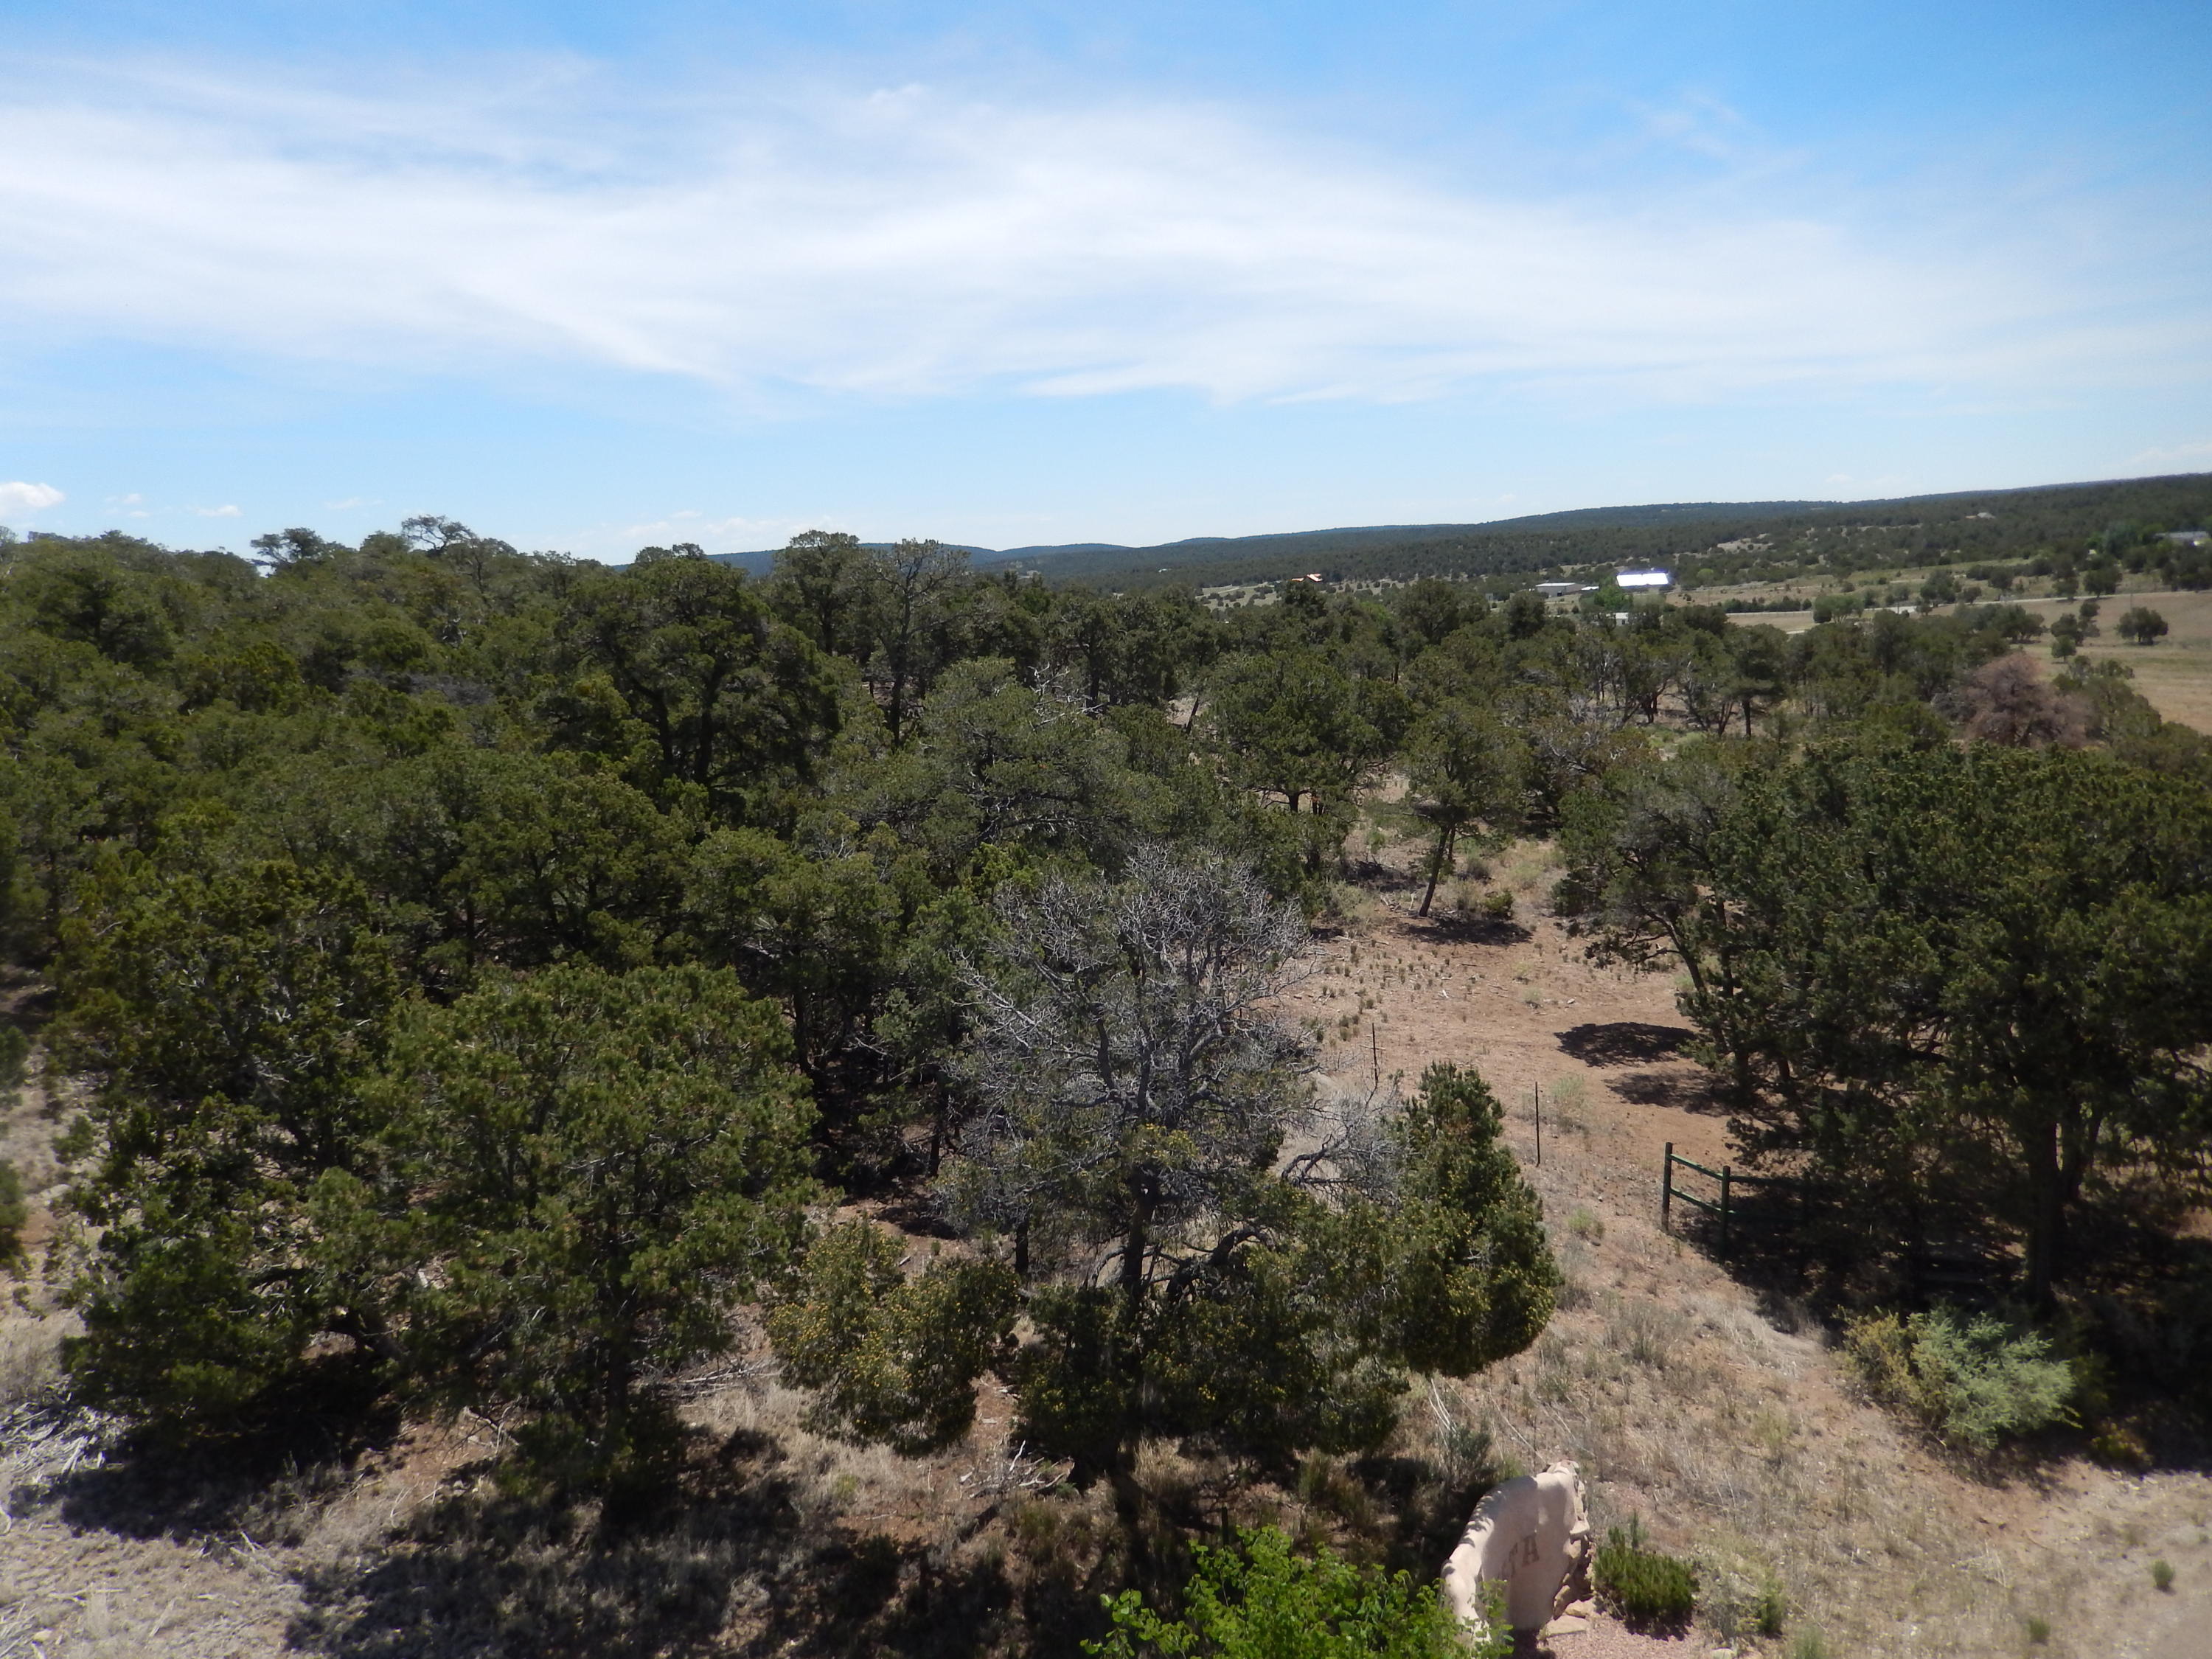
(226, 1020)
(586, 1173)
(1204, 1252)
(1985, 961)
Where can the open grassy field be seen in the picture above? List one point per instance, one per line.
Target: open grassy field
(2175, 674)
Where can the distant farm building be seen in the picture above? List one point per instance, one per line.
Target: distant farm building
(1560, 590)
(1644, 579)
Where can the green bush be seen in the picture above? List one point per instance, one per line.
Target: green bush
(13, 1213)
(1738, 1594)
(2161, 1575)
(2141, 626)
(1972, 1383)
(1829, 606)
(1260, 1601)
(1640, 1585)
(1498, 904)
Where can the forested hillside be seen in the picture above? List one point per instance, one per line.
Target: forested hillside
(1705, 542)
(467, 982)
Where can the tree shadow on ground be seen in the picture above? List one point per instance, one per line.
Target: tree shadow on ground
(261, 1480)
(1379, 877)
(1427, 1506)
(1625, 1042)
(1683, 1091)
(914, 1207)
(734, 1558)
(1457, 927)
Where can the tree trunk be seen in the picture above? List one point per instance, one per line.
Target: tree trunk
(1132, 1260)
(2046, 1213)
(1437, 862)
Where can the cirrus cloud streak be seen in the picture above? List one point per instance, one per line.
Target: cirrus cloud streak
(912, 243)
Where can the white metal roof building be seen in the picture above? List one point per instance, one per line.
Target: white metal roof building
(1644, 579)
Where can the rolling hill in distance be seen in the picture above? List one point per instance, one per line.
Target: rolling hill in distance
(1730, 538)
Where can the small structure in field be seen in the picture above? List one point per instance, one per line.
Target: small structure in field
(1531, 1537)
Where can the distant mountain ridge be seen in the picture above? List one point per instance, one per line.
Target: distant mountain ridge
(1974, 523)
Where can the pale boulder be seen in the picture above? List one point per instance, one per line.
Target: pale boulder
(1532, 1536)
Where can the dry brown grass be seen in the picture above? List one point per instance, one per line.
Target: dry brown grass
(1718, 1412)
(1718, 1415)
(30, 1357)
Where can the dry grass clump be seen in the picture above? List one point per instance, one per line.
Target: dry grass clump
(30, 1357)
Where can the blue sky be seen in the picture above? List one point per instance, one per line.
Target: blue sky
(590, 276)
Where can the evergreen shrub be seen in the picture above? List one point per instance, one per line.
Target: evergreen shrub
(1971, 1381)
(1641, 1585)
(1262, 1601)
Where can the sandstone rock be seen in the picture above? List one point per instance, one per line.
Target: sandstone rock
(1532, 1536)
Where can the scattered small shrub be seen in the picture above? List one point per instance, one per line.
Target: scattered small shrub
(15, 1050)
(1769, 1611)
(1467, 1452)
(2038, 1629)
(1738, 1594)
(1973, 1382)
(1641, 1586)
(1587, 1224)
(1498, 904)
(2119, 1447)
(1648, 1332)
(1564, 1101)
(1809, 1644)
(2161, 1575)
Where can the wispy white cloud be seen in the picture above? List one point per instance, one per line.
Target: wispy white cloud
(911, 243)
(19, 496)
(717, 535)
(2181, 455)
(228, 511)
(350, 504)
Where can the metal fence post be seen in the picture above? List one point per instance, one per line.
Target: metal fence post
(1667, 1192)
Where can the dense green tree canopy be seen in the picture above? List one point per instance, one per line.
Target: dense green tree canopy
(1210, 1254)
(470, 956)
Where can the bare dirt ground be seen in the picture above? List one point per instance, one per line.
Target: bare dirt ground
(1720, 1418)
